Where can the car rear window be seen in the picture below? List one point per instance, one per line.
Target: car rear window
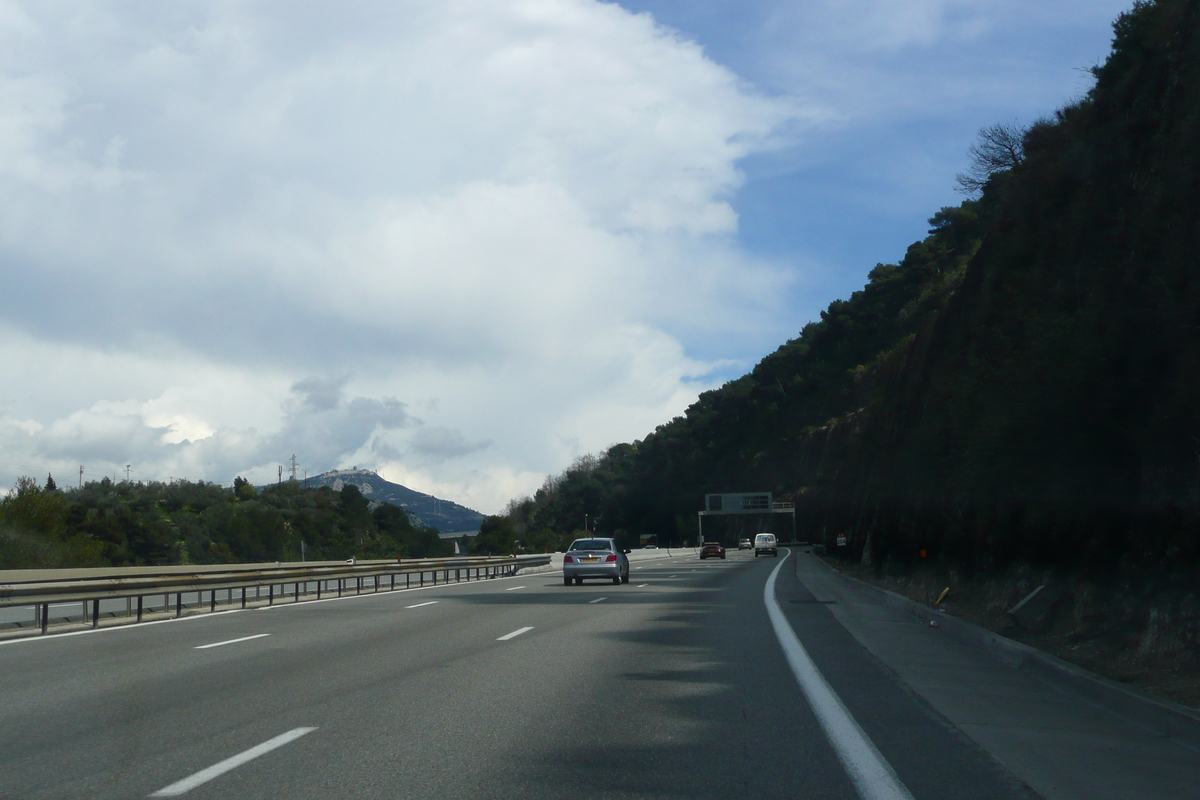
(591, 544)
(765, 537)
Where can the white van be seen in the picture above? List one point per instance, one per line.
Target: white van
(765, 543)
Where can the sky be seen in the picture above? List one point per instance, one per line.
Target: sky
(459, 242)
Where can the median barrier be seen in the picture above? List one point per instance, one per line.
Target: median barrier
(41, 588)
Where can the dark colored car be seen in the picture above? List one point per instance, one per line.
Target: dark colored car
(713, 549)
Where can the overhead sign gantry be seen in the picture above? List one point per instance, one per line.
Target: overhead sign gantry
(728, 503)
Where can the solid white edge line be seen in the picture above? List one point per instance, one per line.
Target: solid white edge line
(597, 600)
(230, 641)
(50, 637)
(419, 605)
(206, 775)
(514, 634)
(870, 772)
(513, 588)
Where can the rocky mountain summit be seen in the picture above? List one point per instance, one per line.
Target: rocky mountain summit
(445, 515)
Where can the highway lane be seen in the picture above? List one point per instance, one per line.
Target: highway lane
(673, 685)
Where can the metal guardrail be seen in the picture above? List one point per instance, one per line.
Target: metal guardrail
(328, 577)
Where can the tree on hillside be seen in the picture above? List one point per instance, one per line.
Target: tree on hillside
(243, 489)
(496, 537)
(998, 148)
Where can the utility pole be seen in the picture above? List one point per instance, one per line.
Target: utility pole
(281, 474)
(305, 479)
(127, 466)
(81, 476)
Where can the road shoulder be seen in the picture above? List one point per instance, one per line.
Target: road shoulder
(1059, 742)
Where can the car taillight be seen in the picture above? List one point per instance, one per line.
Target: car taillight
(568, 560)
(611, 558)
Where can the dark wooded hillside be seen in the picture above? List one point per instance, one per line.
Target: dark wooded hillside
(133, 524)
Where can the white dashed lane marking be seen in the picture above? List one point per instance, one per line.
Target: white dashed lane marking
(231, 641)
(220, 768)
(514, 634)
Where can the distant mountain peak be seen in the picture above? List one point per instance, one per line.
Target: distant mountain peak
(445, 515)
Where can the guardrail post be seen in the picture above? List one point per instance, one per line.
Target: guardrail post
(358, 585)
(96, 613)
(393, 582)
(179, 603)
(243, 597)
(271, 595)
(45, 616)
(139, 608)
(296, 586)
(318, 590)
(212, 605)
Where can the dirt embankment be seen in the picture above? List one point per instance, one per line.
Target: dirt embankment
(1137, 629)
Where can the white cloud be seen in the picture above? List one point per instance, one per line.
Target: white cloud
(443, 238)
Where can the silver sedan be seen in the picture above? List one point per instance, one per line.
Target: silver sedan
(595, 558)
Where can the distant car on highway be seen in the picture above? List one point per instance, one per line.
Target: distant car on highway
(744, 544)
(650, 547)
(713, 549)
(766, 543)
(595, 558)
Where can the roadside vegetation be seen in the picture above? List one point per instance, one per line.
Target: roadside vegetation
(137, 524)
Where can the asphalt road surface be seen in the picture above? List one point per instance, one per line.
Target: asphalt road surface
(672, 686)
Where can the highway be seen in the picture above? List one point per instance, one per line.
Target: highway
(675, 685)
